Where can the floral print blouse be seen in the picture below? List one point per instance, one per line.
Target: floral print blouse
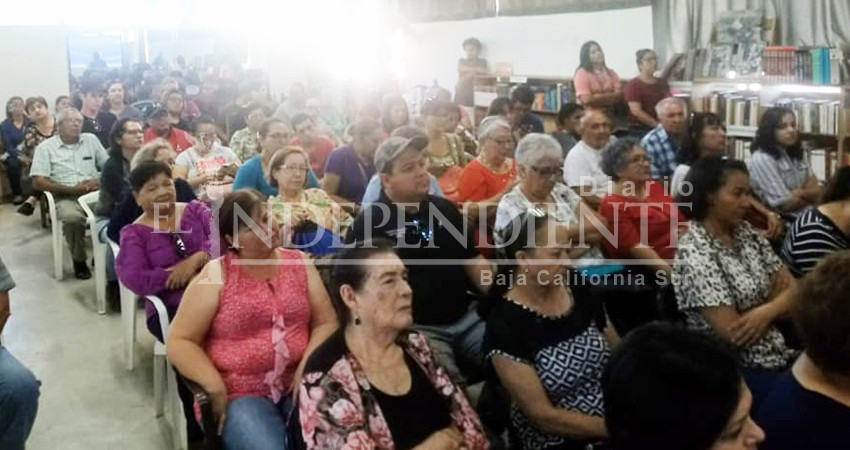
(319, 207)
(337, 406)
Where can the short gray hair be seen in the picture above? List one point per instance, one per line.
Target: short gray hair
(663, 104)
(615, 156)
(66, 114)
(149, 151)
(535, 147)
(489, 125)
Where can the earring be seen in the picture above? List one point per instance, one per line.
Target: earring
(356, 319)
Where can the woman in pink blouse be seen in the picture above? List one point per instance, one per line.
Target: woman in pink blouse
(597, 86)
(245, 324)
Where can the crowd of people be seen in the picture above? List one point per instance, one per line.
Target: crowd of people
(389, 280)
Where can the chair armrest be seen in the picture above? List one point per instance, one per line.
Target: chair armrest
(161, 312)
(211, 439)
(85, 201)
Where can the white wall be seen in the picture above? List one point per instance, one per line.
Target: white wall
(536, 45)
(35, 62)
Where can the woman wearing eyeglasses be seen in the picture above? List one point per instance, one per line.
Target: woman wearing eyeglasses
(208, 166)
(163, 250)
(275, 134)
(314, 220)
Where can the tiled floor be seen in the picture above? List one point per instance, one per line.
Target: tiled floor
(88, 399)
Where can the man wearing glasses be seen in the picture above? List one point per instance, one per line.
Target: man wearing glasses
(431, 238)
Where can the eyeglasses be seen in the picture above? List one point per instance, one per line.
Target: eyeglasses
(639, 160)
(279, 135)
(504, 142)
(294, 169)
(179, 245)
(549, 172)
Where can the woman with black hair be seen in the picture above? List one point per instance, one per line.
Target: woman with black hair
(547, 340)
(727, 278)
(394, 113)
(643, 93)
(820, 231)
(780, 176)
(467, 69)
(597, 86)
(667, 388)
(125, 140)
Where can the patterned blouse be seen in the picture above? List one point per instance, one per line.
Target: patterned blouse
(33, 137)
(320, 208)
(245, 144)
(337, 406)
(707, 274)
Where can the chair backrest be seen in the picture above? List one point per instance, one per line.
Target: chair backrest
(86, 200)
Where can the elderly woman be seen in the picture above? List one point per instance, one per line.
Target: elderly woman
(12, 134)
(314, 221)
(208, 166)
(157, 256)
(376, 383)
(653, 381)
(820, 231)
(809, 407)
(780, 176)
(244, 141)
(42, 126)
(727, 278)
(539, 170)
(547, 339)
(246, 323)
(254, 173)
(127, 210)
(445, 152)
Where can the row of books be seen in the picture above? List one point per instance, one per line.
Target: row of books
(732, 107)
(716, 61)
(823, 161)
(740, 150)
(815, 116)
(815, 65)
(550, 98)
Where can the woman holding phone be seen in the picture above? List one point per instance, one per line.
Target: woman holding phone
(208, 166)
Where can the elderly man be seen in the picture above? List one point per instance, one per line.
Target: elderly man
(581, 168)
(431, 238)
(663, 142)
(68, 165)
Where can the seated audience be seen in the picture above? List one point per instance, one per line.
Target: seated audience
(244, 141)
(394, 114)
(445, 154)
(95, 120)
(128, 210)
(172, 101)
(662, 143)
(68, 166)
(567, 126)
(242, 330)
(295, 103)
(19, 389)
(643, 93)
(62, 103)
(349, 168)
(582, 172)
(820, 231)
(781, 178)
(12, 135)
(403, 398)
(487, 178)
(316, 145)
(644, 224)
(442, 311)
(597, 87)
(666, 388)
(522, 119)
(208, 166)
(500, 106)
(116, 102)
(373, 189)
(313, 108)
(274, 134)
(312, 222)
(809, 406)
(727, 278)
(126, 138)
(42, 126)
(539, 162)
(707, 137)
(161, 127)
(547, 340)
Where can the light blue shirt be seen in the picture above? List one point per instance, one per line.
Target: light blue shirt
(250, 176)
(373, 190)
(69, 164)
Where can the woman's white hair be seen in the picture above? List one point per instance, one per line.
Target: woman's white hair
(536, 147)
(489, 125)
(149, 151)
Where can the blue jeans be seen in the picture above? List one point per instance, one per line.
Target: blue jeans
(102, 224)
(19, 392)
(255, 423)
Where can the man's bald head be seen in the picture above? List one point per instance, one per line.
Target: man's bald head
(595, 127)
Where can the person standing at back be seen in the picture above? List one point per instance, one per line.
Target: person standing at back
(643, 92)
(468, 68)
(597, 87)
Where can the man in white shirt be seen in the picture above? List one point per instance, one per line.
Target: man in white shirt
(68, 165)
(581, 168)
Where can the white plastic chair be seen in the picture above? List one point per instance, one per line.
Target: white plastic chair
(58, 237)
(164, 379)
(98, 250)
(128, 315)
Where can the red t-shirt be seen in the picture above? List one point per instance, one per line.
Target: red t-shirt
(478, 183)
(319, 155)
(625, 213)
(179, 139)
(648, 95)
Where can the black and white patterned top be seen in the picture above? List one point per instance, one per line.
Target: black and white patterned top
(568, 353)
(708, 274)
(812, 237)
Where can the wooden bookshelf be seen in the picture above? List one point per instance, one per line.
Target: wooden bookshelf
(550, 94)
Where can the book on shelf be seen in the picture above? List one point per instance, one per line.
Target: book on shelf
(733, 107)
(815, 116)
(818, 65)
(740, 149)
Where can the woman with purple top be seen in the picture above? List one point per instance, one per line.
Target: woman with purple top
(162, 251)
